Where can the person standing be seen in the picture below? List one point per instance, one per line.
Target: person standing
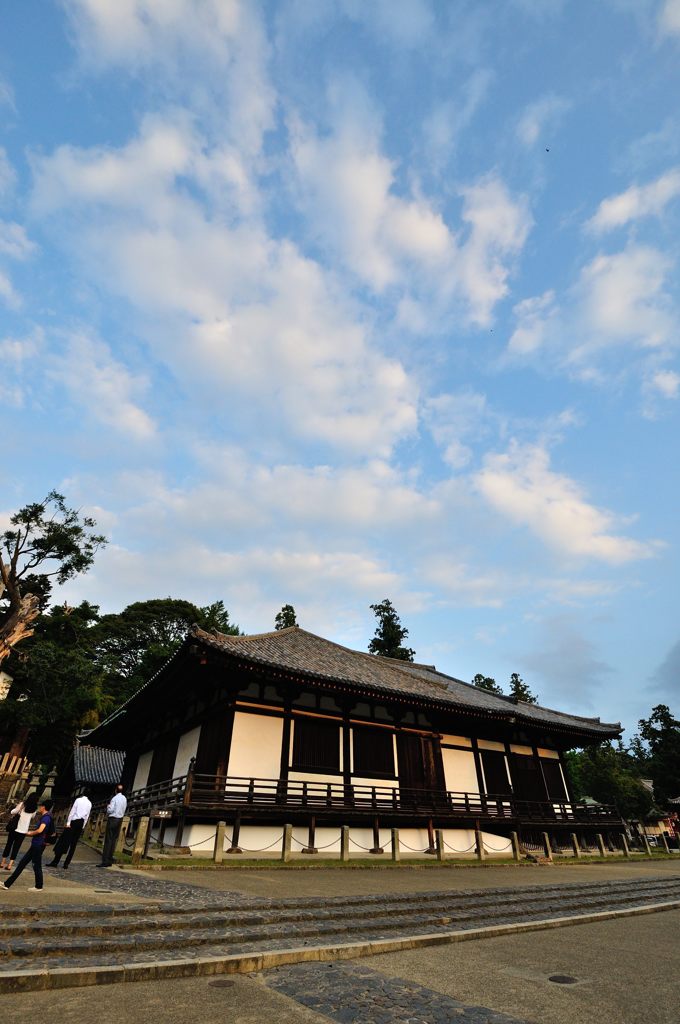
(39, 837)
(115, 812)
(25, 809)
(75, 823)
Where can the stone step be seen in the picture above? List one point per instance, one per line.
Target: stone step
(101, 920)
(255, 904)
(328, 927)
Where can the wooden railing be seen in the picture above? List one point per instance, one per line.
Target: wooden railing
(215, 793)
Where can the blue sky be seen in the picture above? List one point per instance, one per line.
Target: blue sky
(325, 302)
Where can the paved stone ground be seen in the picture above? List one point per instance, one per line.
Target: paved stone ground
(358, 995)
(143, 884)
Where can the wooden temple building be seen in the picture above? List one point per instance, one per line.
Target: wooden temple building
(287, 727)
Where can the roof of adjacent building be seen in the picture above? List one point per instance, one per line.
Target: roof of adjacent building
(303, 653)
(97, 765)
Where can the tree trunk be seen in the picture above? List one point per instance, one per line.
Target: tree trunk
(18, 625)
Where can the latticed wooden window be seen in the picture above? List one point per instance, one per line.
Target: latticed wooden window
(373, 752)
(316, 745)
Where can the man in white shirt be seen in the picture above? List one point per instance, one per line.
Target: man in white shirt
(115, 813)
(75, 823)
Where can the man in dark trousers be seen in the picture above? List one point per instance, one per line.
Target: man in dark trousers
(75, 823)
(115, 813)
(39, 837)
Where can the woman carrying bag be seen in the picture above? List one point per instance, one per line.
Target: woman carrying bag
(22, 813)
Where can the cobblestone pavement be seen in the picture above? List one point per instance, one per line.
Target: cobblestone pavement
(146, 885)
(359, 995)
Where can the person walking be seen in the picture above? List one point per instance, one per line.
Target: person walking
(75, 823)
(39, 837)
(115, 812)
(25, 810)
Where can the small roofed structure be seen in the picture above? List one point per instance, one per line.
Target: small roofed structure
(287, 726)
(96, 770)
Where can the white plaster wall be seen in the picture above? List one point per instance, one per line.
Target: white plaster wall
(545, 752)
(255, 746)
(321, 779)
(378, 783)
(264, 842)
(142, 773)
(186, 749)
(517, 749)
(459, 771)
(491, 745)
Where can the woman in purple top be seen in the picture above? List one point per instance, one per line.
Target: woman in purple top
(39, 837)
(24, 810)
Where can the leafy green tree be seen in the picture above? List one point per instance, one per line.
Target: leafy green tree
(56, 690)
(520, 691)
(661, 733)
(389, 634)
(486, 683)
(607, 773)
(46, 543)
(132, 645)
(285, 618)
(215, 618)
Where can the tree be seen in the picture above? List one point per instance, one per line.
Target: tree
(285, 618)
(661, 733)
(486, 683)
(215, 618)
(132, 645)
(46, 542)
(607, 773)
(56, 690)
(520, 691)
(389, 634)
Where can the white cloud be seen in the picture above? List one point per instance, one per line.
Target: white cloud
(6, 93)
(522, 487)
(406, 24)
(620, 301)
(347, 188)
(20, 358)
(449, 118)
(8, 293)
(636, 202)
(666, 382)
(455, 419)
(498, 226)
(669, 17)
(624, 300)
(237, 312)
(224, 41)
(102, 386)
(348, 192)
(541, 119)
(14, 242)
(7, 173)
(534, 317)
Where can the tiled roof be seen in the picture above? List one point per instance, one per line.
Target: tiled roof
(306, 654)
(97, 765)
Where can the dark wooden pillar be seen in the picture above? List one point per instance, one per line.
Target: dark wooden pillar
(311, 837)
(235, 836)
(377, 848)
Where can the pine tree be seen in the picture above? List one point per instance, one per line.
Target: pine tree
(486, 683)
(285, 618)
(520, 691)
(389, 634)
